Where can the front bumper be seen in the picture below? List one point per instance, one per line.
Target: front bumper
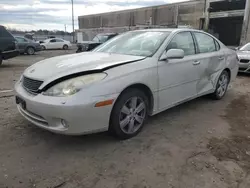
(65, 115)
(244, 67)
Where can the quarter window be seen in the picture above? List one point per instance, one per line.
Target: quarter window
(205, 43)
(217, 45)
(184, 41)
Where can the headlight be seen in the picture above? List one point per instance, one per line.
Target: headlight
(73, 85)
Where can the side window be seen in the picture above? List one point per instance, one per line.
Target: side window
(205, 42)
(111, 36)
(184, 41)
(20, 39)
(53, 40)
(59, 40)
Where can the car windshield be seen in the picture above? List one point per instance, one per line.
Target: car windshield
(138, 43)
(100, 38)
(245, 47)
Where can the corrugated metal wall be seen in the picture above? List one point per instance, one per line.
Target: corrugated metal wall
(187, 13)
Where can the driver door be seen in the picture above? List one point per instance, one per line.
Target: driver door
(178, 77)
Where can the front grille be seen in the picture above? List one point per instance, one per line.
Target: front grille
(244, 61)
(31, 85)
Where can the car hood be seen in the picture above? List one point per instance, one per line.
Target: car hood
(60, 66)
(243, 54)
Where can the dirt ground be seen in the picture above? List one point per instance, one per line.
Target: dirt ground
(200, 144)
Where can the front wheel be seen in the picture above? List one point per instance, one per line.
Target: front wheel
(129, 114)
(221, 86)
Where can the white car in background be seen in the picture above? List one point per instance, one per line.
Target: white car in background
(55, 43)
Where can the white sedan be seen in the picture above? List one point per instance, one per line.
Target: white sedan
(123, 81)
(55, 43)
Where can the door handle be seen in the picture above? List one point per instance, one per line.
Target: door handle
(196, 62)
(221, 58)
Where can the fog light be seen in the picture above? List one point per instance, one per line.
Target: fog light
(64, 123)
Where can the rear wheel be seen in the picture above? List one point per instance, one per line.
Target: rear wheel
(65, 47)
(129, 114)
(30, 51)
(222, 85)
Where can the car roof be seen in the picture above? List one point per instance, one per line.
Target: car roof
(107, 33)
(169, 29)
(54, 38)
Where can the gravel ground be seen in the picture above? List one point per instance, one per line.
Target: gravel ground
(202, 143)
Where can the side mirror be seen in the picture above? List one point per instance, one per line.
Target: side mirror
(172, 54)
(237, 48)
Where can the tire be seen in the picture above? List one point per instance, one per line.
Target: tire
(30, 51)
(65, 47)
(125, 120)
(43, 47)
(221, 86)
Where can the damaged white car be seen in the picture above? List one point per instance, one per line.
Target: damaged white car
(118, 85)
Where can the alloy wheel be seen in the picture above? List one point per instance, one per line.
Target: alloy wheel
(30, 51)
(223, 83)
(132, 115)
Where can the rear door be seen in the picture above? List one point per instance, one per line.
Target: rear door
(22, 43)
(211, 60)
(59, 43)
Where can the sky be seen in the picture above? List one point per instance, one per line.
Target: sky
(55, 14)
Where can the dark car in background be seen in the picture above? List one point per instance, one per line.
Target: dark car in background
(8, 46)
(97, 40)
(27, 46)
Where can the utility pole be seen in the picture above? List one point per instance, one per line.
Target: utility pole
(73, 24)
(245, 25)
(64, 31)
(206, 15)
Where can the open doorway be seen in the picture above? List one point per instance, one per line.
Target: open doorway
(227, 29)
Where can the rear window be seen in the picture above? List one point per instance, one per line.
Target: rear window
(4, 33)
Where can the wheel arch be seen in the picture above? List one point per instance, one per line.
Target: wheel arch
(29, 47)
(146, 90)
(229, 72)
(42, 45)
